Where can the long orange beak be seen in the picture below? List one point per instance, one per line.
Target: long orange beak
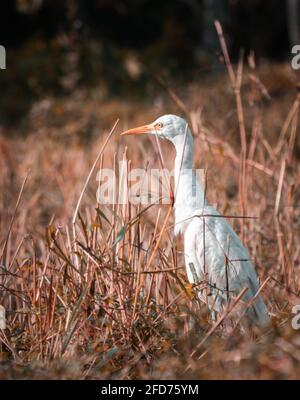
(139, 130)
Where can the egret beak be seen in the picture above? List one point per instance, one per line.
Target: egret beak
(139, 130)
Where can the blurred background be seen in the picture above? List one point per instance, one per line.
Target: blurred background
(120, 47)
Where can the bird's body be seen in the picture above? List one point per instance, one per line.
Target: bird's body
(213, 251)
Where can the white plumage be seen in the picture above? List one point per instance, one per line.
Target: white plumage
(213, 251)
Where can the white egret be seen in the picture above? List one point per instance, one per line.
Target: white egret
(213, 251)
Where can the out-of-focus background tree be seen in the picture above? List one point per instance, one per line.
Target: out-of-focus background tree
(55, 46)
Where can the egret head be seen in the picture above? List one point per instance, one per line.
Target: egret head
(165, 127)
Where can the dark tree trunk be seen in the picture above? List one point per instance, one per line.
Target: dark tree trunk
(293, 21)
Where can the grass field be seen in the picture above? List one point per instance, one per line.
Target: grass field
(99, 291)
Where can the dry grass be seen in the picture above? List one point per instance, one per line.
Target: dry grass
(102, 293)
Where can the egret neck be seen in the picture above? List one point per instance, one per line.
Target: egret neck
(189, 194)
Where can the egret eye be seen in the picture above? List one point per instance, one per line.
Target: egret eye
(159, 125)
